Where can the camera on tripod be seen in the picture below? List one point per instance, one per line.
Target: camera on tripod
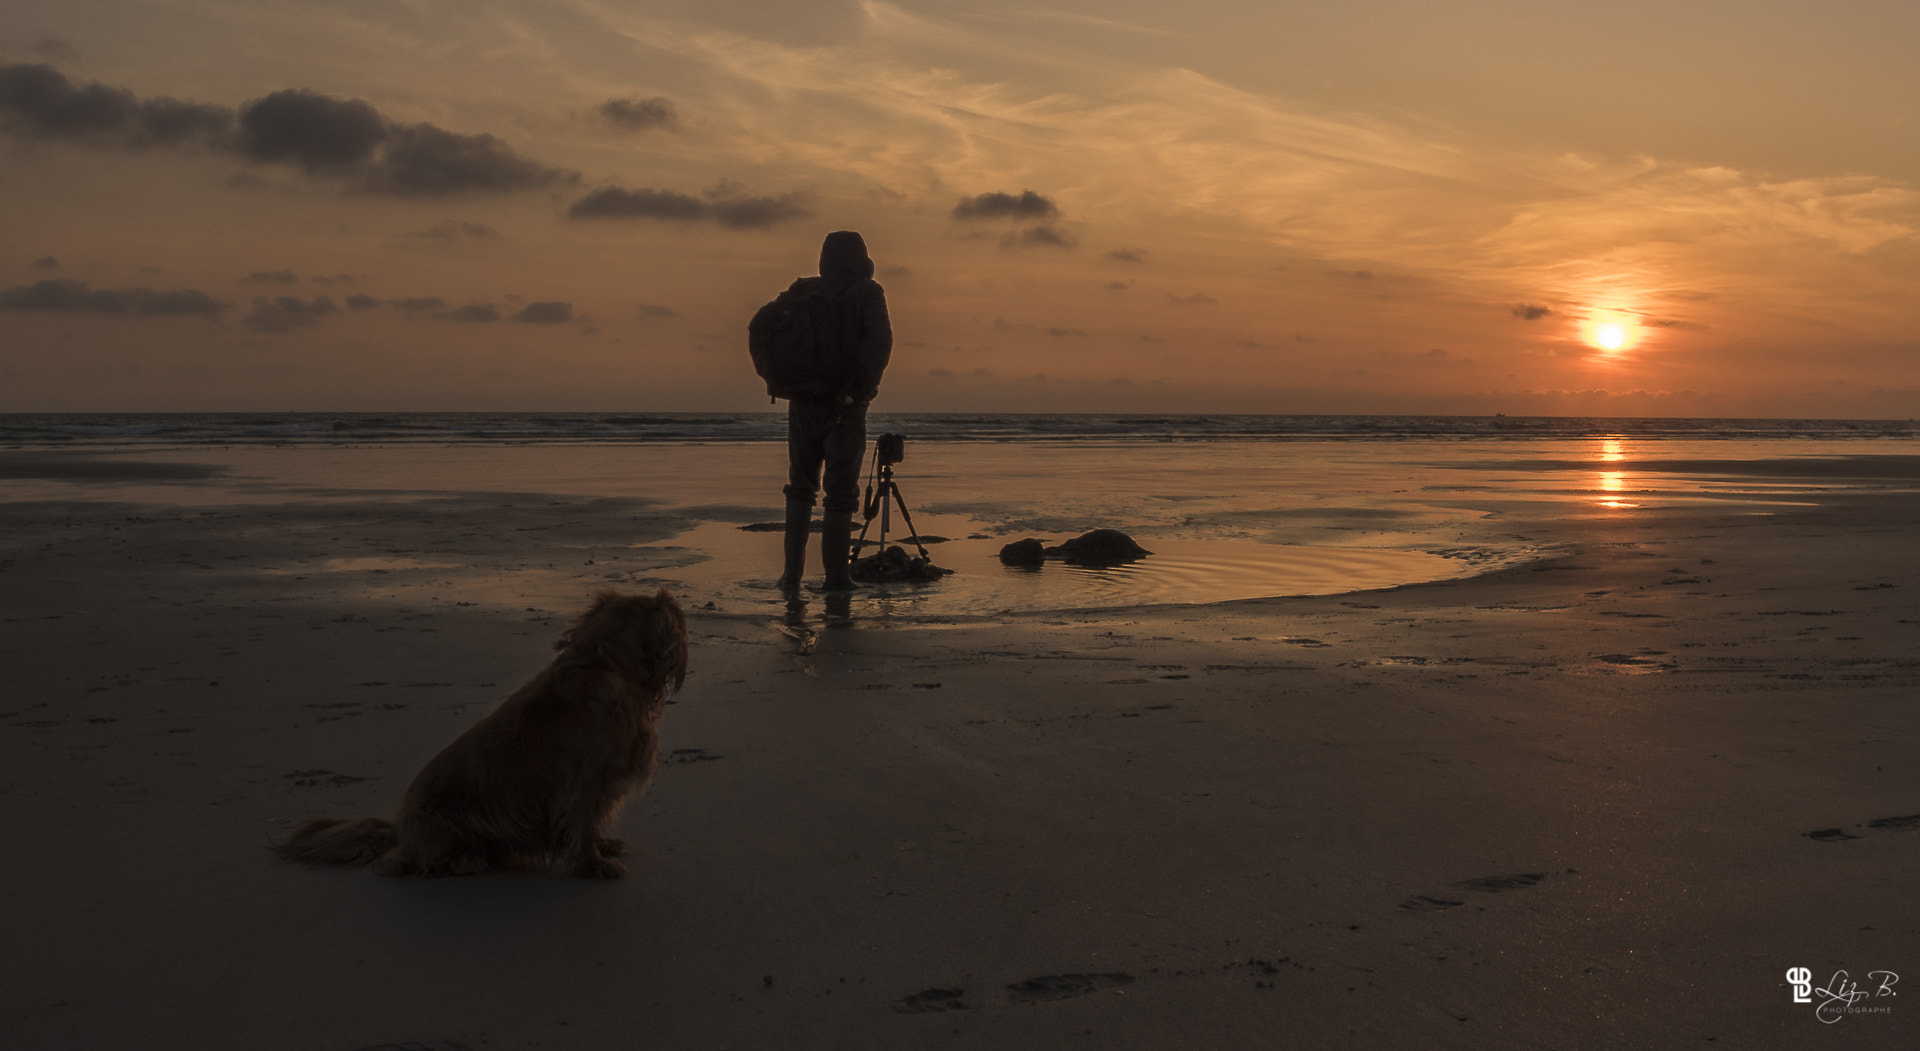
(883, 495)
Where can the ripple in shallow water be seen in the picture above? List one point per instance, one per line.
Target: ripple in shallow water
(1178, 572)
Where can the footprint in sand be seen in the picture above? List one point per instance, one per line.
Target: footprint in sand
(1426, 904)
(1904, 823)
(1064, 986)
(1496, 884)
(931, 1000)
(1485, 885)
(312, 778)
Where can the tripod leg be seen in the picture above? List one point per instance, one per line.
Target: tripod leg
(862, 540)
(894, 490)
(871, 507)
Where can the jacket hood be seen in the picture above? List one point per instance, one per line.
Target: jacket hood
(843, 257)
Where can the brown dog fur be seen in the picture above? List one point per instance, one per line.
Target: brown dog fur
(537, 783)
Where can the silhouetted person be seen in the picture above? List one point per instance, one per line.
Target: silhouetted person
(827, 432)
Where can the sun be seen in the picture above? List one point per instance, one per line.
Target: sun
(1612, 331)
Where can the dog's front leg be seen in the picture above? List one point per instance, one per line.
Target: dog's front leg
(611, 846)
(592, 866)
(582, 854)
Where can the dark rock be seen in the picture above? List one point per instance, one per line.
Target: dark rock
(895, 565)
(1028, 552)
(777, 527)
(1099, 547)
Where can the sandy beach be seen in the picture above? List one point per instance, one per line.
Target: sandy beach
(1605, 796)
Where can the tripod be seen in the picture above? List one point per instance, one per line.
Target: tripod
(877, 503)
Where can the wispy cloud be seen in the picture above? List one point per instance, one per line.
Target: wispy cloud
(1158, 151)
(728, 208)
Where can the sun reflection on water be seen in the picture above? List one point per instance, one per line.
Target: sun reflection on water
(1613, 484)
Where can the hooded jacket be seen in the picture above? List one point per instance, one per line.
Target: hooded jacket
(846, 271)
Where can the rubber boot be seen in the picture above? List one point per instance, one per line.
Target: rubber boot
(799, 525)
(836, 541)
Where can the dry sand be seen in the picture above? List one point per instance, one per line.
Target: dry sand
(1561, 806)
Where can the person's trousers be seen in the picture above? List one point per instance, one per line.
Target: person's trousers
(825, 444)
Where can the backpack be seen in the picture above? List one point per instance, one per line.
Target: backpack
(799, 343)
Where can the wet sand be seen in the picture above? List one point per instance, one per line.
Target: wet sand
(1605, 799)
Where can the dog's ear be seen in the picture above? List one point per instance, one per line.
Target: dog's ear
(666, 642)
(601, 599)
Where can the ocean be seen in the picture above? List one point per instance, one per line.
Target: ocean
(191, 428)
(1233, 507)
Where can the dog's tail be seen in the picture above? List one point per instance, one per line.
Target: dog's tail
(332, 841)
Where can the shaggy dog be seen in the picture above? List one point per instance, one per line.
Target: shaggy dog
(537, 782)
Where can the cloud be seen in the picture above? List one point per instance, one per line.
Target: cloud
(640, 114)
(46, 262)
(39, 102)
(546, 313)
(474, 312)
(754, 213)
(450, 230)
(265, 277)
(650, 312)
(1530, 311)
(613, 202)
(1037, 237)
(424, 161)
(420, 304)
(1198, 299)
(1436, 357)
(738, 212)
(1127, 255)
(1003, 325)
(1028, 205)
(288, 313)
(361, 301)
(74, 297)
(319, 133)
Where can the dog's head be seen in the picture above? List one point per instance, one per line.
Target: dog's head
(647, 634)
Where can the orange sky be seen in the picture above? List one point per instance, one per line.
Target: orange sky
(1213, 206)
